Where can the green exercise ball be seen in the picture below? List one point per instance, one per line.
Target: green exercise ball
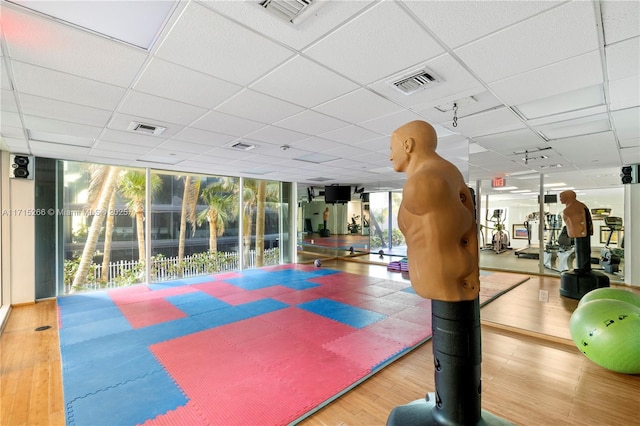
(607, 331)
(611, 293)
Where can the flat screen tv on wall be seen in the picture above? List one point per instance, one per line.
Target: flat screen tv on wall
(337, 194)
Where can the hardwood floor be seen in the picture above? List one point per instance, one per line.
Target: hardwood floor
(532, 373)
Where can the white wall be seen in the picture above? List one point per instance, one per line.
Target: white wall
(18, 237)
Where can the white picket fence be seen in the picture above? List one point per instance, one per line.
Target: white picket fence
(167, 268)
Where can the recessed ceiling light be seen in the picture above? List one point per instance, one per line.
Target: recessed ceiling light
(551, 185)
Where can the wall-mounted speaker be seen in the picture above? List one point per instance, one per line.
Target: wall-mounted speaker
(630, 174)
(20, 166)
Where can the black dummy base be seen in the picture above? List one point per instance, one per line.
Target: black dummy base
(576, 283)
(421, 412)
(457, 356)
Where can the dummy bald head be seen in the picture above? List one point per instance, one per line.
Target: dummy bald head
(421, 132)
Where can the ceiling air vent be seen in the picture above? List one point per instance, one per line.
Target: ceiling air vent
(286, 10)
(242, 146)
(148, 129)
(415, 82)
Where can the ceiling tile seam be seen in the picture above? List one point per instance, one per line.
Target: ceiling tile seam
(605, 74)
(9, 69)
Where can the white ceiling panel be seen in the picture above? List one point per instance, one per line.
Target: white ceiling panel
(218, 122)
(161, 109)
(201, 137)
(42, 124)
(258, 107)
(381, 47)
(630, 155)
(577, 127)
(49, 44)
(623, 59)
(7, 101)
(73, 150)
(65, 87)
(592, 148)
(560, 33)
(5, 83)
(162, 78)
(630, 143)
(133, 151)
(484, 123)
(388, 123)
(627, 122)
(621, 20)
(214, 45)
(304, 82)
(513, 141)
(65, 111)
(460, 22)
(561, 77)
(277, 135)
(11, 119)
(361, 105)
(624, 93)
(18, 146)
(350, 135)
(311, 121)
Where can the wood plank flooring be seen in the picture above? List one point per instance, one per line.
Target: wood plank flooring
(532, 373)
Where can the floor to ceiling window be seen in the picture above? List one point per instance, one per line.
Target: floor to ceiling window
(193, 226)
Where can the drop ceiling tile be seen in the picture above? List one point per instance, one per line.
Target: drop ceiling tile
(55, 45)
(577, 127)
(350, 135)
(304, 82)
(166, 156)
(111, 157)
(623, 59)
(587, 147)
(627, 123)
(11, 132)
(620, 19)
(202, 137)
(48, 125)
(311, 122)
(39, 148)
(561, 77)
(17, 145)
(549, 37)
(200, 31)
(131, 138)
(507, 143)
(361, 105)
(8, 101)
(162, 78)
(630, 155)
(155, 108)
(277, 135)
(630, 143)
(457, 23)
(387, 124)
(65, 87)
(317, 145)
(5, 82)
(11, 119)
(486, 123)
(65, 111)
(61, 138)
(385, 38)
(255, 106)
(441, 110)
(218, 122)
(624, 93)
(563, 102)
(133, 150)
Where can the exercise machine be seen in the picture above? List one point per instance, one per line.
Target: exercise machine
(610, 258)
(529, 251)
(499, 236)
(559, 252)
